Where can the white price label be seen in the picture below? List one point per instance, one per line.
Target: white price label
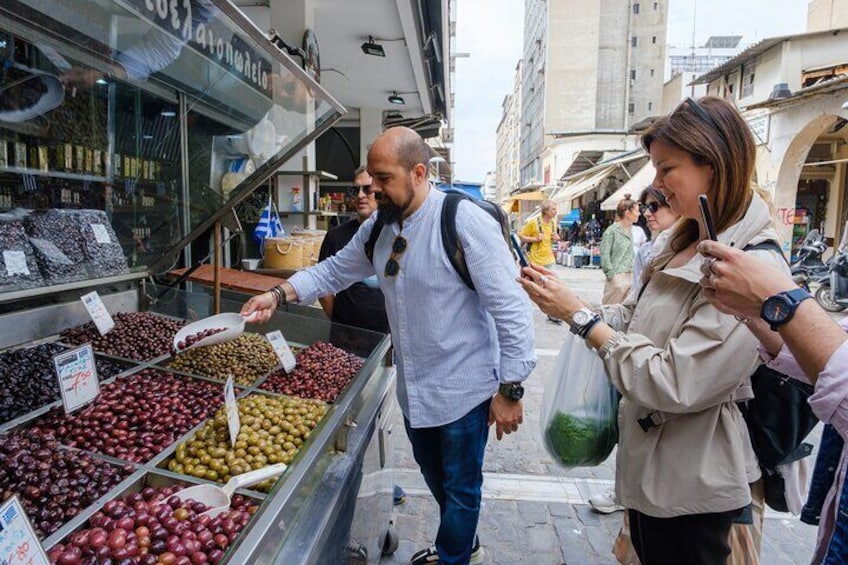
(77, 374)
(282, 349)
(101, 234)
(15, 263)
(98, 312)
(18, 542)
(231, 406)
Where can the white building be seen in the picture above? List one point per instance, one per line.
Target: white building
(591, 69)
(717, 50)
(489, 186)
(793, 90)
(508, 141)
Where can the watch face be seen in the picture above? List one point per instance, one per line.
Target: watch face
(776, 309)
(581, 318)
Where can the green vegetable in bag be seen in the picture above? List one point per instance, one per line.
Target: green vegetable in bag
(580, 441)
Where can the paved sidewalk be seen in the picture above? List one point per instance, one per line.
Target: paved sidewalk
(535, 512)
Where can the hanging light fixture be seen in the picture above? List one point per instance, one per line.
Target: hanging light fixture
(396, 98)
(370, 47)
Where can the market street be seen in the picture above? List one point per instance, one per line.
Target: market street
(535, 512)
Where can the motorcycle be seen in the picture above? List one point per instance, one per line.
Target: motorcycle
(809, 261)
(832, 294)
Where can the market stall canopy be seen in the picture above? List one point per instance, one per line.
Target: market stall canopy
(581, 186)
(635, 186)
(535, 195)
(511, 206)
(569, 219)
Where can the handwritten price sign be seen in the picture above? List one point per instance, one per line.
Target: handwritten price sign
(231, 408)
(77, 374)
(18, 543)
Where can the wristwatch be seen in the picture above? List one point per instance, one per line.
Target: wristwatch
(511, 391)
(583, 321)
(779, 308)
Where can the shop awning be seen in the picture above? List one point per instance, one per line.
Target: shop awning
(581, 186)
(635, 186)
(511, 206)
(534, 195)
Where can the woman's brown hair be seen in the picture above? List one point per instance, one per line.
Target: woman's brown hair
(624, 205)
(715, 134)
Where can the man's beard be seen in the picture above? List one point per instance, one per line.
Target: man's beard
(390, 213)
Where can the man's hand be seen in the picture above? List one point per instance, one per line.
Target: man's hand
(259, 309)
(506, 414)
(736, 282)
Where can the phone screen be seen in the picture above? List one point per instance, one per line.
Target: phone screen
(709, 225)
(516, 244)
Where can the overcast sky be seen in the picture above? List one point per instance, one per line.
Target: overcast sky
(491, 31)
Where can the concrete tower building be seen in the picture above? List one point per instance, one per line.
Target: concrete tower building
(591, 69)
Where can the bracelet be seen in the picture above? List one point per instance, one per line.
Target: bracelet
(611, 342)
(584, 331)
(280, 294)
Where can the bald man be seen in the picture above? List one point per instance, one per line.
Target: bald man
(461, 353)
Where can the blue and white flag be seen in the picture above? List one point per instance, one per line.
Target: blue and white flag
(269, 224)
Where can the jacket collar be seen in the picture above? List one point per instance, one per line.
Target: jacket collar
(754, 227)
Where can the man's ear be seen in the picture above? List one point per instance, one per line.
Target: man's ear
(419, 172)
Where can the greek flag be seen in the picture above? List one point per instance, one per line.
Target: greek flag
(269, 224)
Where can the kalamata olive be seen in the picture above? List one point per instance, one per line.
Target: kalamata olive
(137, 335)
(322, 372)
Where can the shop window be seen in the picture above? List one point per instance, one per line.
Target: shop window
(636, 8)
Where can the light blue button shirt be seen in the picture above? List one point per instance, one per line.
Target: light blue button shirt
(453, 345)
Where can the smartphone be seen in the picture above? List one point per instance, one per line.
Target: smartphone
(516, 244)
(707, 217)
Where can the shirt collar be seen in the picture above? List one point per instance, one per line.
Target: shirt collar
(429, 203)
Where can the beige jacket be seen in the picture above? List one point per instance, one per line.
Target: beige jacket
(680, 356)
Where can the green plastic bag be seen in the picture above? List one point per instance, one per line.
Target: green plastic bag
(579, 421)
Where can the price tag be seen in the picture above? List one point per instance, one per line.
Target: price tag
(18, 542)
(101, 235)
(15, 263)
(77, 374)
(231, 407)
(98, 312)
(282, 349)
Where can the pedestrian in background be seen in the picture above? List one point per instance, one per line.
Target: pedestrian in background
(685, 461)
(541, 233)
(461, 353)
(617, 251)
(804, 343)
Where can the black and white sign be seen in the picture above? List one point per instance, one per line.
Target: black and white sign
(282, 349)
(18, 542)
(77, 374)
(98, 312)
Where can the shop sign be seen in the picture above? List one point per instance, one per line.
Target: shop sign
(282, 349)
(760, 128)
(231, 407)
(18, 542)
(195, 23)
(77, 374)
(98, 312)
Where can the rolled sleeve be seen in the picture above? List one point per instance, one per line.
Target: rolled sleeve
(829, 401)
(493, 271)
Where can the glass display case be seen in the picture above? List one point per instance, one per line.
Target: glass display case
(130, 127)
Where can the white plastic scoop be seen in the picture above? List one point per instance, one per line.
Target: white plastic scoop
(231, 323)
(218, 498)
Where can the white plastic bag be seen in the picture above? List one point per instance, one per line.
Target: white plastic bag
(579, 421)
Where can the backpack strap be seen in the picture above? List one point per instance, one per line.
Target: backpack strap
(373, 237)
(767, 245)
(450, 237)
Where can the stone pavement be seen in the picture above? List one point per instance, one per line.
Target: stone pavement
(535, 512)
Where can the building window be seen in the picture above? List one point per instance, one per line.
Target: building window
(747, 81)
(656, 6)
(634, 41)
(632, 74)
(631, 108)
(654, 39)
(652, 72)
(650, 106)
(636, 8)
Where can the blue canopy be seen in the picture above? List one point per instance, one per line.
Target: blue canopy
(472, 189)
(570, 218)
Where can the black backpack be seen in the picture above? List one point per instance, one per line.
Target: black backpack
(450, 238)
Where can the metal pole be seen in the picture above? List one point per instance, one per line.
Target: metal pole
(216, 284)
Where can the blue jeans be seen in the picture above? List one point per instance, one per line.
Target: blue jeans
(451, 460)
(824, 475)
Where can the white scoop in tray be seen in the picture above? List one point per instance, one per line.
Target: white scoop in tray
(218, 498)
(232, 323)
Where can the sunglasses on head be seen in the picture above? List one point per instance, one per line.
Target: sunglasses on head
(652, 207)
(692, 105)
(392, 265)
(353, 191)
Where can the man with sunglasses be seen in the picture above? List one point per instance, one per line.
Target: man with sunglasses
(462, 353)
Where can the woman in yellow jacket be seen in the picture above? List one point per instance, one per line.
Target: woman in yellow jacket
(684, 462)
